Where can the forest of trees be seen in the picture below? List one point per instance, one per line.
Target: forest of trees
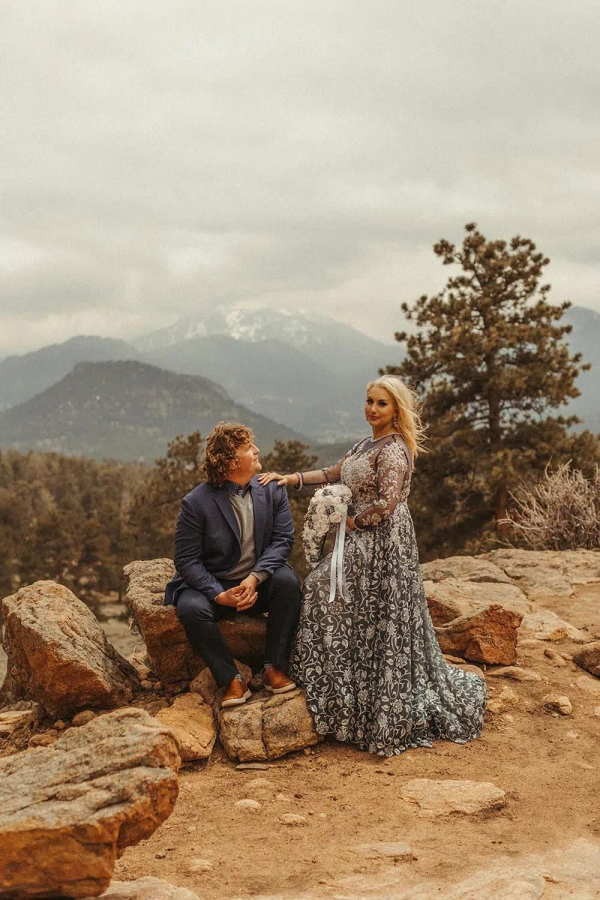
(490, 364)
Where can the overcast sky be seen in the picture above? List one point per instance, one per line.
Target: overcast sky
(158, 158)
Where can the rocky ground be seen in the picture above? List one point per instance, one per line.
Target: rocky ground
(346, 806)
(511, 816)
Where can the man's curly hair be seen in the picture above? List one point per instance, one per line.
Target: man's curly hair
(222, 445)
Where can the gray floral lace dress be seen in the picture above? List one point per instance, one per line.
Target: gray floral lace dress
(371, 665)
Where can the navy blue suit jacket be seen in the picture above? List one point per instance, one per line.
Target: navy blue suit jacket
(207, 538)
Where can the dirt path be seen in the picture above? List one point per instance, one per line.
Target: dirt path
(548, 765)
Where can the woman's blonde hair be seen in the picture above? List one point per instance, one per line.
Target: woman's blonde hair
(408, 419)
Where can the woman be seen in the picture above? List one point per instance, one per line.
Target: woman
(371, 665)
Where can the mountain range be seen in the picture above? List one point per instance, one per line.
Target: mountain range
(126, 410)
(301, 369)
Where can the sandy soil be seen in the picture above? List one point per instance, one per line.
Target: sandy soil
(548, 765)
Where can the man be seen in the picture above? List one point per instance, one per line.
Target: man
(232, 543)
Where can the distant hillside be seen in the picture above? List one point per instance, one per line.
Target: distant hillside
(126, 411)
(21, 377)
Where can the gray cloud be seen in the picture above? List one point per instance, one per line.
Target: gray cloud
(160, 158)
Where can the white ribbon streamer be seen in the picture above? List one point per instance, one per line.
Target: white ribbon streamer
(337, 579)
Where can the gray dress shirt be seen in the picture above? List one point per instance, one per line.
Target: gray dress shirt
(243, 509)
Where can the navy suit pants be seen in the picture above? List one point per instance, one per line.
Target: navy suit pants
(279, 596)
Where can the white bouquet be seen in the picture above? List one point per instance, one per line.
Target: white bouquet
(328, 508)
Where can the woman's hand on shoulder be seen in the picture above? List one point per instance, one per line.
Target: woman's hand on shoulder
(284, 480)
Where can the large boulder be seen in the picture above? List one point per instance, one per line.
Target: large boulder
(191, 720)
(588, 658)
(169, 650)
(58, 654)
(544, 573)
(267, 726)
(67, 812)
(450, 598)
(488, 635)
(464, 568)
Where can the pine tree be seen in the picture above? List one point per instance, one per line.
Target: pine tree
(490, 363)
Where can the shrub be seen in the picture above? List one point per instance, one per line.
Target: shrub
(560, 512)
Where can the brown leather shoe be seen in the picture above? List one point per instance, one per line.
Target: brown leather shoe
(236, 694)
(277, 682)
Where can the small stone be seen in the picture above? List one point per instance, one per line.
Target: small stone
(293, 819)
(160, 855)
(44, 739)
(384, 850)
(589, 658)
(83, 717)
(60, 725)
(251, 805)
(547, 626)
(157, 685)
(146, 685)
(259, 784)
(572, 734)
(191, 829)
(555, 657)
(283, 798)
(321, 815)
(597, 711)
(558, 703)
(516, 673)
(198, 866)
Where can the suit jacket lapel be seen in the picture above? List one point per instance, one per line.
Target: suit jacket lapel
(222, 500)
(259, 506)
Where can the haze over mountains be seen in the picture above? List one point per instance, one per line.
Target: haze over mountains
(289, 375)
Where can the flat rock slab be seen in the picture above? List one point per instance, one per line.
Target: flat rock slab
(12, 719)
(516, 673)
(146, 889)
(511, 884)
(267, 726)
(450, 598)
(464, 568)
(169, 651)
(58, 654)
(488, 635)
(545, 625)
(563, 872)
(384, 850)
(192, 722)
(440, 798)
(68, 811)
(588, 658)
(548, 573)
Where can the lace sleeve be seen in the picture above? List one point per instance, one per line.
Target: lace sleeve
(392, 465)
(329, 474)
